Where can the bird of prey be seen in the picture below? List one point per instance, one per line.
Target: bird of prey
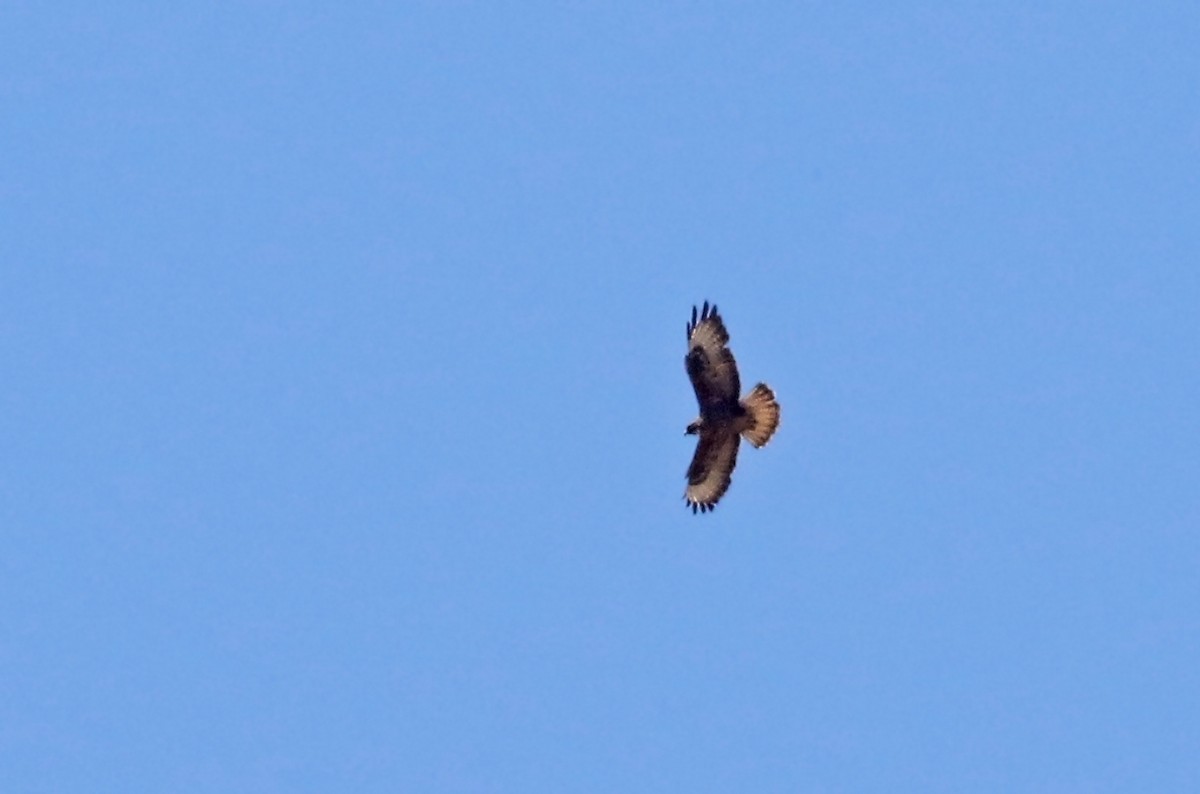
(723, 419)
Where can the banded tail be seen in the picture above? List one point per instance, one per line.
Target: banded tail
(762, 415)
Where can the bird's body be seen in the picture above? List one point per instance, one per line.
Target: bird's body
(724, 419)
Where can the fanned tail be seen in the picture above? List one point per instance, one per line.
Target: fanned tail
(762, 413)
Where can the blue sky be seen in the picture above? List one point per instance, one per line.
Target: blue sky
(343, 397)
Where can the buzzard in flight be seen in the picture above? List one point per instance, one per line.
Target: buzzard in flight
(724, 419)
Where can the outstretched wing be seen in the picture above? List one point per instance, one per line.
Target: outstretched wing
(711, 469)
(709, 363)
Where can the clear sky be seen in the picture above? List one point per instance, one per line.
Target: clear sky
(343, 398)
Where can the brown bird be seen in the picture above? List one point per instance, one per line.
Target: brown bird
(723, 419)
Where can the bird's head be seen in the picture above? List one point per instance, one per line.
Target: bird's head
(692, 429)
